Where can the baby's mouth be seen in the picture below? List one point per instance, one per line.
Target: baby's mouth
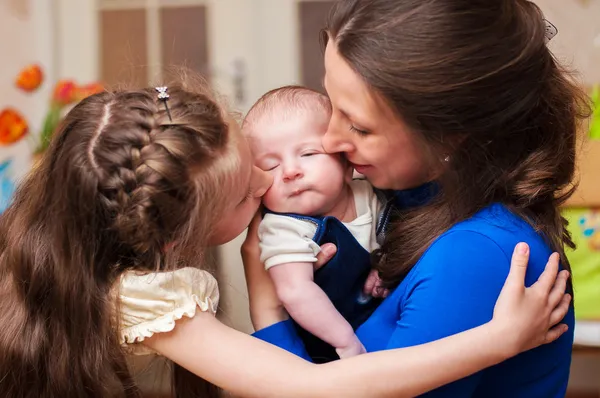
(297, 192)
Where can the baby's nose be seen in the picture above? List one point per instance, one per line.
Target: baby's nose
(291, 174)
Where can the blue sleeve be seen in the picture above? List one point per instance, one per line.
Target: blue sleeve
(284, 335)
(454, 287)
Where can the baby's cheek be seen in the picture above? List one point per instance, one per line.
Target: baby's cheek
(274, 200)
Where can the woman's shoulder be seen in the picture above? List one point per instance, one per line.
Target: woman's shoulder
(498, 224)
(485, 240)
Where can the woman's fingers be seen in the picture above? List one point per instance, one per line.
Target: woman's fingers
(327, 252)
(253, 227)
(250, 244)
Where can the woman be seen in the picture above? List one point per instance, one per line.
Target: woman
(458, 107)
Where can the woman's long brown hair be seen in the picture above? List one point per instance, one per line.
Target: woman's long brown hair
(475, 81)
(119, 183)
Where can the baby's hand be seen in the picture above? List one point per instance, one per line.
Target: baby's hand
(353, 349)
(373, 285)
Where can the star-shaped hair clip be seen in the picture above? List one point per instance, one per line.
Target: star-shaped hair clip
(164, 96)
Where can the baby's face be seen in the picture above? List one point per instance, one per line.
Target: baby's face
(306, 180)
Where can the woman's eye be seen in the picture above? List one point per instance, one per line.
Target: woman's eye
(358, 131)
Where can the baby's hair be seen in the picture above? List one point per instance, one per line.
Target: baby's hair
(287, 101)
(121, 187)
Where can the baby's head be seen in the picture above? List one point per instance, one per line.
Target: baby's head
(285, 128)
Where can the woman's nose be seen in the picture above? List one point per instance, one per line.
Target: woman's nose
(335, 141)
(265, 182)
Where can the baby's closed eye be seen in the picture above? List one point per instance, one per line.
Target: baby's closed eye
(311, 152)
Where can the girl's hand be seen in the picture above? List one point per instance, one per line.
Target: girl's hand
(265, 307)
(529, 317)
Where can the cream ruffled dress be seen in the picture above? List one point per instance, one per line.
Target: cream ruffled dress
(152, 302)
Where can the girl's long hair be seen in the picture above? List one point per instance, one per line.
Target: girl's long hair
(118, 185)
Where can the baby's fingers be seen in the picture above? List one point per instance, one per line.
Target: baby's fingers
(370, 283)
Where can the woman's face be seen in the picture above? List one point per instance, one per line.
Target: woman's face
(372, 136)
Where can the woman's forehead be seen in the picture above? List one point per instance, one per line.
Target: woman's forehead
(350, 94)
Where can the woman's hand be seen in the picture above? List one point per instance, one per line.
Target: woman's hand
(265, 307)
(529, 317)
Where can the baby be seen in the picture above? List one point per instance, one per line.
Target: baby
(285, 128)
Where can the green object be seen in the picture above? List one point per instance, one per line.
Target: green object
(50, 123)
(584, 225)
(595, 119)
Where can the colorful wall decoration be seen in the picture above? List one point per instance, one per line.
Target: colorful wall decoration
(7, 184)
(14, 127)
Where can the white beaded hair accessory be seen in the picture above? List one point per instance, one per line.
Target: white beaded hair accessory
(164, 97)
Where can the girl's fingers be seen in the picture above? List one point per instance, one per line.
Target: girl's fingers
(548, 278)
(558, 313)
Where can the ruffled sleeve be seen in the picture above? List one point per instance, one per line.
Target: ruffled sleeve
(152, 303)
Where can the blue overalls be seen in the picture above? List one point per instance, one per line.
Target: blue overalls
(344, 276)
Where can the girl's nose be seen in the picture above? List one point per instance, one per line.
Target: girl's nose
(265, 182)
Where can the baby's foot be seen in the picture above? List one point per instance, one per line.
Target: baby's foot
(352, 349)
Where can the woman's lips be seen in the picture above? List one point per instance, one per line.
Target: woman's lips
(361, 168)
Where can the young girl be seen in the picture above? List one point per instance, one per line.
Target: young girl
(100, 255)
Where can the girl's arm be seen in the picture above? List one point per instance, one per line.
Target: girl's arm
(249, 367)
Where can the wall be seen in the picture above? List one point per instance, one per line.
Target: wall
(26, 36)
(578, 41)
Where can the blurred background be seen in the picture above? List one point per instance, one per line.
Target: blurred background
(55, 52)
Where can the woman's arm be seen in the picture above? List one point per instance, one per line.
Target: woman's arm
(249, 367)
